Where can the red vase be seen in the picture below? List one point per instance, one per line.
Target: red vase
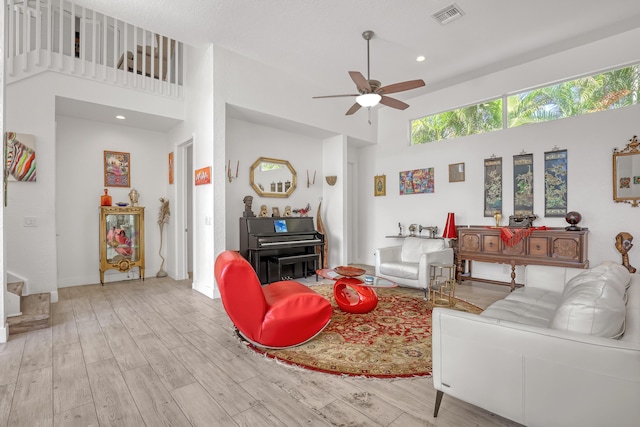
(105, 200)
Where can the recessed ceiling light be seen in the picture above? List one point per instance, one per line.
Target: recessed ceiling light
(120, 117)
(421, 58)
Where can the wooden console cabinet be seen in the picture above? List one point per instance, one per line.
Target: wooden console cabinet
(553, 246)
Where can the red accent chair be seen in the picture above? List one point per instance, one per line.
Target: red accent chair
(279, 315)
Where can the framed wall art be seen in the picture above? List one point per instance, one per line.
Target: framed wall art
(203, 176)
(555, 183)
(117, 168)
(380, 185)
(171, 168)
(523, 184)
(20, 157)
(456, 172)
(492, 186)
(416, 181)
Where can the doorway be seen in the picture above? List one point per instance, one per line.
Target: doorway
(184, 211)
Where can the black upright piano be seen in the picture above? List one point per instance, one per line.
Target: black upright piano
(281, 236)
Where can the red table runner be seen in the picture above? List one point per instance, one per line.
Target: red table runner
(511, 236)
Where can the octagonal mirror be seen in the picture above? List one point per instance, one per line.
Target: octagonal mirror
(273, 177)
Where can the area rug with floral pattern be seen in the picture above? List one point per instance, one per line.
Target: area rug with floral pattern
(393, 340)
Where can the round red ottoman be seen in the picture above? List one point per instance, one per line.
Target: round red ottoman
(353, 297)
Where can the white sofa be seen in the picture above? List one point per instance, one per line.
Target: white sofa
(564, 350)
(408, 264)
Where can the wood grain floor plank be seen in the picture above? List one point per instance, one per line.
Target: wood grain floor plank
(94, 344)
(155, 403)
(9, 366)
(164, 330)
(64, 328)
(257, 415)
(200, 408)
(222, 357)
(6, 398)
(38, 349)
(83, 310)
(281, 403)
(33, 390)
(135, 324)
(70, 381)
(123, 347)
(82, 416)
(169, 369)
(231, 396)
(113, 401)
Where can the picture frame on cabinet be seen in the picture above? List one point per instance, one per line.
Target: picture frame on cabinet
(117, 169)
(380, 185)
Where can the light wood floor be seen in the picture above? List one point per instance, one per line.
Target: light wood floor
(158, 353)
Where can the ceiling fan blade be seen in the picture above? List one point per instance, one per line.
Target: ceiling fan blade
(393, 103)
(400, 87)
(361, 83)
(355, 107)
(335, 96)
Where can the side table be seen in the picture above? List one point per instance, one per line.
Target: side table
(442, 285)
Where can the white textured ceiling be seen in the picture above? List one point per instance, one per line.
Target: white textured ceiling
(321, 40)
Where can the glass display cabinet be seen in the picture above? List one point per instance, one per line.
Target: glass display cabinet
(121, 239)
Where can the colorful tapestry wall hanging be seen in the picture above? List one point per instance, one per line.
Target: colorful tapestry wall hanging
(555, 183)
(416, 181)
(523, 184)
(492, 186)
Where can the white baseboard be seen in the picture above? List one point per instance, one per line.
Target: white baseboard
(205, 289)
(4, 333)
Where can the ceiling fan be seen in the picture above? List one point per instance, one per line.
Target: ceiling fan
(371, 92)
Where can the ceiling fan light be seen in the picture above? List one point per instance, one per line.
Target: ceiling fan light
(368, 99)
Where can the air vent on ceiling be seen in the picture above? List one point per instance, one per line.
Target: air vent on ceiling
(448, 14)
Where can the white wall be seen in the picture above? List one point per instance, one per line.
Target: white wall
(80, 183)
(246, 142)
(198, 126)
(589, 140)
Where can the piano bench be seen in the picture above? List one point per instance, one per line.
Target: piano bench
(292, 259)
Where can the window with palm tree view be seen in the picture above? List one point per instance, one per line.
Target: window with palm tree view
(598, 92)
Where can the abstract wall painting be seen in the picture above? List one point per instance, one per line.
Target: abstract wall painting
(492, 186)
(203, 176)
(523, 184)
(555, 183)
(117, 168)
(20, 157)
(416, 181)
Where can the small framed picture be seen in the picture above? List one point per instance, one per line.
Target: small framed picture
(117, 167)
(456, 172)
(380, 185)
(276, 212)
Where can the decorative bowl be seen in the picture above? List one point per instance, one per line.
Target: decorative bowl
(122, 204)
(348, 271)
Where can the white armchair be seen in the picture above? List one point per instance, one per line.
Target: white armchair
(409, 264)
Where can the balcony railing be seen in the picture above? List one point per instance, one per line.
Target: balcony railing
(61, 36)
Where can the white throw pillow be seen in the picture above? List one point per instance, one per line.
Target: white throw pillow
(592, 308)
